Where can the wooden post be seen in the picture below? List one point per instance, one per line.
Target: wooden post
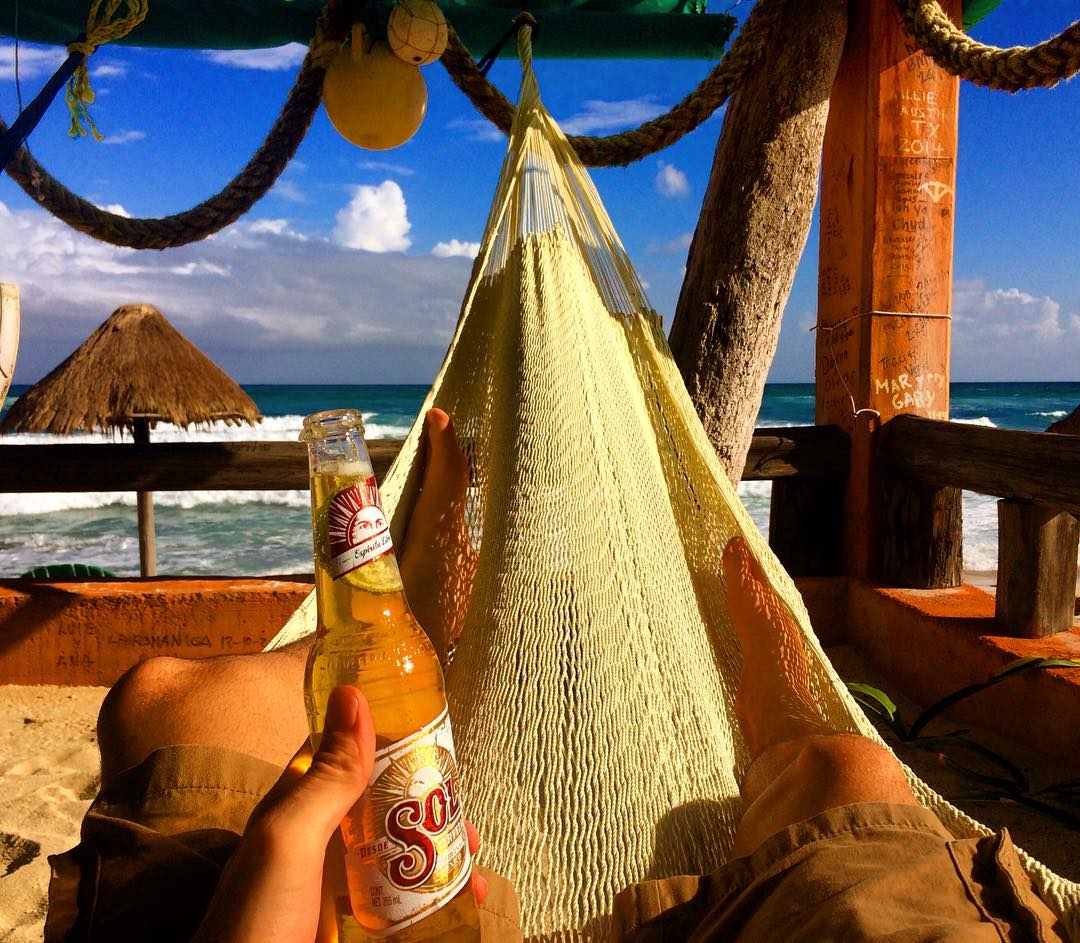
(1036, 578)
(754, 222)
(9, 336)
(140, 433)
(885, 278)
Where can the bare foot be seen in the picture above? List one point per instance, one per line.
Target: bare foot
(438, 562)
(774, 701)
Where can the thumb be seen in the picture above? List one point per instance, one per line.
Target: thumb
(307, 809)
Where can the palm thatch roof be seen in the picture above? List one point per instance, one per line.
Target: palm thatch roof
(134, 366)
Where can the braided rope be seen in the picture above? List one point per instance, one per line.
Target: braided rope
(101, 27)
(628, 146)
(238, 196)
(1008, 70)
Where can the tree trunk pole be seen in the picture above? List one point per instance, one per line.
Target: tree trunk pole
(753, 226)
(885, 286)
(147, 543)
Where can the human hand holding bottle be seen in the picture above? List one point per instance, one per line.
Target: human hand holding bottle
(272, 887)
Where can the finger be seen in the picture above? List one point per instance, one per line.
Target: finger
(307, 809)
(479, 886)
(473, 836)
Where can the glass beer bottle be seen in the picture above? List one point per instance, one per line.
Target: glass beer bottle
(407, 859)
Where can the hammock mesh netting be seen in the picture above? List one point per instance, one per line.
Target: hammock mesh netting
(592, 687)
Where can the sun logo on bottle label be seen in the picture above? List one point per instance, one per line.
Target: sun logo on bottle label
(358, 531)
(414, 854)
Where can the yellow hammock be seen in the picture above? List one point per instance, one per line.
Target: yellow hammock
(592, 688)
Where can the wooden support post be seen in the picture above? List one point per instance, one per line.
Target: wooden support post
(1036, 579)
(9, 336)
(754, 222)
(885, 276)
(920, 534)
(806, 525)
(145, 500)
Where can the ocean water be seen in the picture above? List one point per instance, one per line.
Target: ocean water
(267, 532)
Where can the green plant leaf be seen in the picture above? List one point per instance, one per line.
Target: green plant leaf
(1032, 661)
(873, 696)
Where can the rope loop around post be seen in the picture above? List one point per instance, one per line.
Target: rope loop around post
(1010, 70)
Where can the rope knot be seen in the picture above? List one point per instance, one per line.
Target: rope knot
(102, 26)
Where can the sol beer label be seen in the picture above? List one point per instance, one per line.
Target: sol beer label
(418, 856)
(358, 530)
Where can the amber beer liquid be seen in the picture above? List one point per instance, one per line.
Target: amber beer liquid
(407, 858)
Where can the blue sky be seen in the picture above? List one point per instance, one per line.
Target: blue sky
(347, 272)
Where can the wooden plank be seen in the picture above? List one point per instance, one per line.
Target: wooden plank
(1039, 467)
(814, 452)
(885, 259)
(1036, 581)
(797, 452)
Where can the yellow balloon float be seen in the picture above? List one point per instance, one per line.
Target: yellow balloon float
(374, 99)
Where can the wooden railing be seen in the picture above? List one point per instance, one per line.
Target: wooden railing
(1037, 477)
(923, 465)
(807, 451)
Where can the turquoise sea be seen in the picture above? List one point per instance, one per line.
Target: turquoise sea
(259, 533)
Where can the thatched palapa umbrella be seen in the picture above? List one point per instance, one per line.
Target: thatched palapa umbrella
(135, 369)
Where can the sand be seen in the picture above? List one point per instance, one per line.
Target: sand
(48, 775)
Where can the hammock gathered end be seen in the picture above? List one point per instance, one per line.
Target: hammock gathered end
(592, 688)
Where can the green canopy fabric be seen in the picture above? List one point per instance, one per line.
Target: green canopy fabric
(588, 29)
(571, 29)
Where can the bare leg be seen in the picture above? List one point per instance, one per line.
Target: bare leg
(254, 703)
(800, 767)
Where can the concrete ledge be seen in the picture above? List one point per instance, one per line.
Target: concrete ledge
(930, 643)
(926, 642)
(91, 632)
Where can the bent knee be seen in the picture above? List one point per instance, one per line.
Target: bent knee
(133, 711)
(853, 765)
(139, 690)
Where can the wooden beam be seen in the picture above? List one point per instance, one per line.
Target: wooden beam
(885, 258)
(811, 452)
(1036, 579)
(1039, 467)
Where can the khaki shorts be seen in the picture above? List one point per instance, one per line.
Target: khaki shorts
(155, 841)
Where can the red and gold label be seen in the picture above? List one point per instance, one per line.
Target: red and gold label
(416, 858)
(358, 530)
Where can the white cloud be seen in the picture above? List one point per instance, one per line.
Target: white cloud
(124, 137)
(1009, 333)
(599, 115)
(264, 300)
(265, 60)
(34, 61)
(375, 219)
(456, 248)
(670, 181)
(288, 190)
(400, 169)
(670, 246)
(477, 129)
(109, 70)
(114, 208)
